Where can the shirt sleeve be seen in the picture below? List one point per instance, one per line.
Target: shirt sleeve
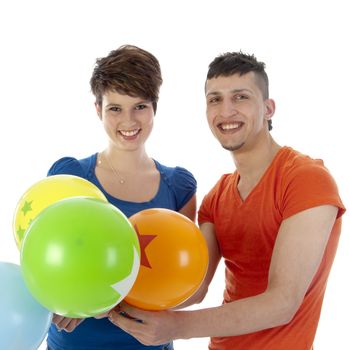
(66, 165)
(308, 186)
(209, 203)
(184, 186)
(204, 212)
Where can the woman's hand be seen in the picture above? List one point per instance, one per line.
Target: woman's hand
(66, 323)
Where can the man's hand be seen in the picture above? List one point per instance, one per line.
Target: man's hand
(148, 327)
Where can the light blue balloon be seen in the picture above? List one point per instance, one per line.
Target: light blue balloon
(24, 323)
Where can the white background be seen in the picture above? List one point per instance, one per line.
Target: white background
(48, 50)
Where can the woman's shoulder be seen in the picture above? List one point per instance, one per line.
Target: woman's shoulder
(177, 176)
(72, 166)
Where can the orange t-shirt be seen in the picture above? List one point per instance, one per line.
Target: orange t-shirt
(246, 233)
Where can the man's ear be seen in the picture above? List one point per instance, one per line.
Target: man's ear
(270, 108)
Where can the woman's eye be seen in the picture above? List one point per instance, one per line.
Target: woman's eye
(140, 107)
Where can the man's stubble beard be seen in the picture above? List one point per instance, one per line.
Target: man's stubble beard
(233, 147)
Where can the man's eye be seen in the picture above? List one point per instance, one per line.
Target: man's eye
(213, 100)
(114, 109)
(140, 107)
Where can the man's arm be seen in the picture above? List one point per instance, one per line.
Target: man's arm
(297, 254)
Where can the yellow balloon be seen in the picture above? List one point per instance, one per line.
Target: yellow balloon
(46, 192)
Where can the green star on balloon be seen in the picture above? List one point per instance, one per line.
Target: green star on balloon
(20, 232)
(27, 207)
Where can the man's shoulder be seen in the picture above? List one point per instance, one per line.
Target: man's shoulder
(292, 160)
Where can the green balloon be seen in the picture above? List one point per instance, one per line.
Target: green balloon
(80, 257)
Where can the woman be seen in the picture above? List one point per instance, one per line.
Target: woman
(126, 86)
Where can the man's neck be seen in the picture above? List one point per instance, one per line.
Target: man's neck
(251, 164)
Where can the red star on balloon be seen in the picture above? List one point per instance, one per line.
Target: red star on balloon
(144, 241)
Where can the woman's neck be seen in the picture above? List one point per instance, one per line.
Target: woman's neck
(127, 161)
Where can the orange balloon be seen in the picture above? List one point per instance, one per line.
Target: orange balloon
(174, 259)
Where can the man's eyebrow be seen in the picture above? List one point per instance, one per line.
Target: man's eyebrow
(216, 93)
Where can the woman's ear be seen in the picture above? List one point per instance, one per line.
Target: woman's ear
(98, 110)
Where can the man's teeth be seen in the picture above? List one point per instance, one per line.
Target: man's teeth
(129, 132)
(230, 126)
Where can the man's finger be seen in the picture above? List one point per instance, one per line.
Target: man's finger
(133, 312)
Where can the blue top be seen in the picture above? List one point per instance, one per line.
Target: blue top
(176, 188)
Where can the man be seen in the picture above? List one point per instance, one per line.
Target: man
(276, 222)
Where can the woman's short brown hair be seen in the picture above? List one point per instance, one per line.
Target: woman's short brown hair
(127, 70)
